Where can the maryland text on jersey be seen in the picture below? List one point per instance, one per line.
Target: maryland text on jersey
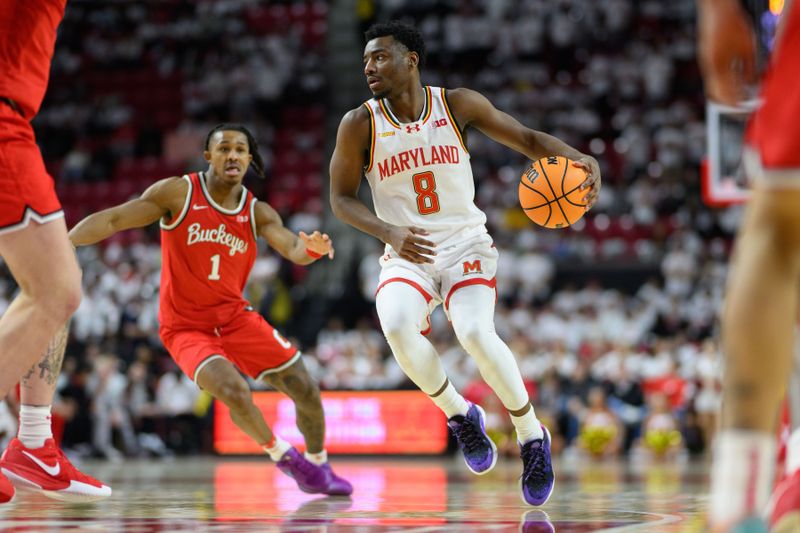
(418, 157)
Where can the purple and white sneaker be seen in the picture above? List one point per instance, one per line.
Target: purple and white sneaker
(479, 451)
(538, 478)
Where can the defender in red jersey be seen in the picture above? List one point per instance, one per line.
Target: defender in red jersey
(33, 239)
(209, 225)
(758, 322)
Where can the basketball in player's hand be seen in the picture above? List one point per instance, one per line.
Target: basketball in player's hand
(550, 192)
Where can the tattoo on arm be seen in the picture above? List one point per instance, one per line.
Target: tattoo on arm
(49, 366)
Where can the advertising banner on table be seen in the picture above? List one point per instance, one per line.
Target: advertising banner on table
(357, 422)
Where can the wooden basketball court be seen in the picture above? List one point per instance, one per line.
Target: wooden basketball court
(399, 494)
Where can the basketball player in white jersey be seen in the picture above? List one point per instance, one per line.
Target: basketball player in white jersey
(409, 142)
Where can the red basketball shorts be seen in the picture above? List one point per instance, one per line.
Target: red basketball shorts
(248, 341)
(773, 135)
(26, 189)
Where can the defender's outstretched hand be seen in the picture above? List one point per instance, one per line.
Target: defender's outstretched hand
(319, 243)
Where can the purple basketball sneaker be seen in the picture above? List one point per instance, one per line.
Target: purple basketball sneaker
(309, 477)
(312, 478)
(337, 486)
(537, 470)
(536, 521)
(479, 451)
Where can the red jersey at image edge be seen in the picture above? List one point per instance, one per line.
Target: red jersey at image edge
(207, 253)
(27, 40)
(774, 130)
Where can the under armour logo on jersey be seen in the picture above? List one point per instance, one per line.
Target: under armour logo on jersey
(411, 128)
(473, 267)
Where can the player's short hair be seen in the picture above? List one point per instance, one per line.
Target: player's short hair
(258, 163)
(404, 33)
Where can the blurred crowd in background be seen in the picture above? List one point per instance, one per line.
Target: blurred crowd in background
(613, 321)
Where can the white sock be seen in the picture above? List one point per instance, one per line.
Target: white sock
(34, 425)
(317, 458)
(451, 402)
(793, 452)
(277, 449)
(741, 475)
(527, 426)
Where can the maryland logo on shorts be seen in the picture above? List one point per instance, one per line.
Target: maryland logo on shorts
(472, 267)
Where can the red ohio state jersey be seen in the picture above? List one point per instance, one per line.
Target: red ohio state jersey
(207, 253)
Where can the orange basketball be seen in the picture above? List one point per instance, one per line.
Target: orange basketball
(550, 194)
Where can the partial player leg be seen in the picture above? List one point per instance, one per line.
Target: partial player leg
(472, 313)
(43, 264)
(784, 505)
(221, 379)
(298, 385)
(403, 313)
(758, 336)
(471, 310)
(32, 460)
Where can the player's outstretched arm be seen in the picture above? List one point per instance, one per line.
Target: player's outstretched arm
(347, 165)
(471, 108)
(726, 49)
(301, 249)
(160, 199)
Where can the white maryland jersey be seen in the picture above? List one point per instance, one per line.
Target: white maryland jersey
(420, 172)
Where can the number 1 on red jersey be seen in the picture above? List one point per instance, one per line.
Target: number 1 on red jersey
(214, 276)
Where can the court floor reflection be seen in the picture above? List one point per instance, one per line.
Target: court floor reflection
(213, 494)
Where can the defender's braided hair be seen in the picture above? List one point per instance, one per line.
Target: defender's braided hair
(258, 163)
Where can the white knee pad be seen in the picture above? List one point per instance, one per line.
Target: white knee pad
(403, 313)
(401, 310)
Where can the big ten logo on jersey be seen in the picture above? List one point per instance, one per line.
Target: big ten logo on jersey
(439, 123)
(472, 267)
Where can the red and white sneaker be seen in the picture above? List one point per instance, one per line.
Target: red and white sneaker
(47, 470)
(6, 489)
